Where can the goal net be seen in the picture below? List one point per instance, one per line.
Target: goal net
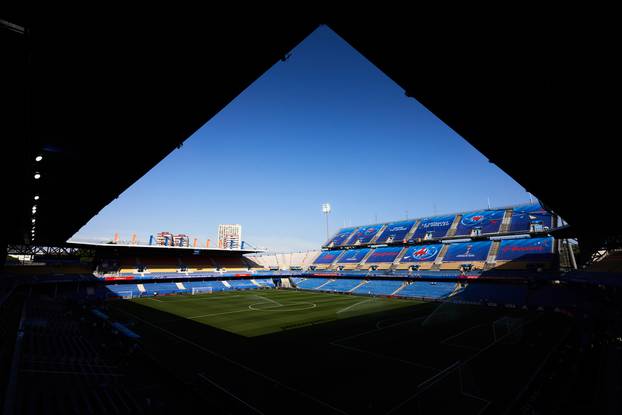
(201, 290)
(126, 295)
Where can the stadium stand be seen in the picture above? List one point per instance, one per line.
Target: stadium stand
(530, 218)
(74, 361)
(285, 261)
(511, 222)
(432, 228)
(341, 285)
(512, 295)
(421, 255)
(364, 235)
(341, 238)
(312, 283)
(428, 290)
(527, 253)
(611, 262)
(375, 287)
(326, 258)
(395, 232)
(352, 258)
(473, 253)
(382, 258)
(517, 219)
(480, 223)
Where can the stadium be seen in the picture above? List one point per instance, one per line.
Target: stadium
(499, 310)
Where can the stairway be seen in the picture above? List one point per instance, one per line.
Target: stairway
(440, 257)
(343, 252)
(454, 226)
(364, 260)
(412, 231)
(505, 223)
(400, 288)
(359, 285)
(319, 287)
(398, 258)
(492, 255)
(378, 234)
(347, 240)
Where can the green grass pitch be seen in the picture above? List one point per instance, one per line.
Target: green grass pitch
(259, 312)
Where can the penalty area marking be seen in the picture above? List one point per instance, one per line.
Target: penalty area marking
(307, 306)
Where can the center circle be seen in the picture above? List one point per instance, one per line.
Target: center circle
(283, 307)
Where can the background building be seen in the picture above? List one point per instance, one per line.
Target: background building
(230, 236)
(168, 239)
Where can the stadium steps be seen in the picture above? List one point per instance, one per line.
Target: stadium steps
(256, 283)
(375, 238)
(358, 286)
(454, 226)
(286, 283)
(439, 259)
(336, 261)
(226, 283)
(401, 287)
(364, 260)
(398, 258)
(505, 223)
(180, 285)
(141, 288)
(320, 286)
(412, 231)
(457, 289)
(295, 281)
(492, 255)
(347, 241)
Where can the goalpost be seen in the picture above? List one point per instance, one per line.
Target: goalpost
(201, 290)
(126, 295)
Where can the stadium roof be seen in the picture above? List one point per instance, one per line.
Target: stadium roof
(160, 249)
(105, 96)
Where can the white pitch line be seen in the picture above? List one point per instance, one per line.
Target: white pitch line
(216, 297)
(269, 299)
(354, 305)
(234, 362)
(230, 394)
(219, 314)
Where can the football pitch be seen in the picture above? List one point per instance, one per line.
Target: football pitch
(257, 312)
(269, 351)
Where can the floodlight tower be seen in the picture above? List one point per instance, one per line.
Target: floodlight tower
(326, 211)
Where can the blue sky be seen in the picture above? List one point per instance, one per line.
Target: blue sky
(324, 126)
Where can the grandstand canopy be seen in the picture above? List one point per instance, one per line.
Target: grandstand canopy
(128, 250)
(104, 95)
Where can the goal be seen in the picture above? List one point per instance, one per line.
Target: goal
(126, 295)
(201, 290)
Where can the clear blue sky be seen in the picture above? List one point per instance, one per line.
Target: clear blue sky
(324, 126)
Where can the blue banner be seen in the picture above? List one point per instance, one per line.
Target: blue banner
(396, 231)
(528, 249)
(523, 216)
(488, 220)
(341, 236)
(468, 251)
(326, 257)
(384, 254)
(421, 253)
(354, 256)
(365, 234)
(438, 225)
